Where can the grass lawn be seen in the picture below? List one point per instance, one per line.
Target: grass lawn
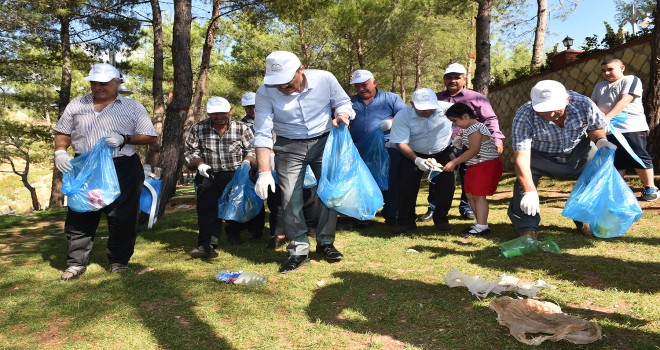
(379, 297)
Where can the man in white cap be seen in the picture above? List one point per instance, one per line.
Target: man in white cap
(301, 106)
(422, 132)
(247, 101)
(124, 123)
(455, 81)
(375, 109)
(216, 146)
(551, 136)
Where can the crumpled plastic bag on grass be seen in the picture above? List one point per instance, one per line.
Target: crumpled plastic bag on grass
(529, 316)
(480, 287)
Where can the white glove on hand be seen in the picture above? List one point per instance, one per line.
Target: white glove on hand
(114, 140)
(386, 125)
(421, 164)
(457, 142)
(203, 169)
(63, 161)
(604, 143)
(272, 161)
(264, 182)
(529, 203)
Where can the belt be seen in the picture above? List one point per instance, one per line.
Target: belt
(309, 139)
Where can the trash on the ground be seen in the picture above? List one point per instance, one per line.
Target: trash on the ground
(148, 269)
(410, 250)
(528, 316)
(240, 277)
(480, 287)
(320, 283)
(526, 244)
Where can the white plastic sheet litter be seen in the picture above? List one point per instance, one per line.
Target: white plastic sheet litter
(481, 287)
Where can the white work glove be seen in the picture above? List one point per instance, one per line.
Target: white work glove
(457, 142)
(203, 169)
(264, 182)
(604, 143)
(421, 164)
(272, 161)
(386, 125)
(63, 161)
(529, 203)
(114, 140)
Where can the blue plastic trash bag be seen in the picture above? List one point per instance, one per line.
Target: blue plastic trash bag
(239, 202)
(310, 179)
(92, 184)
(602, 198)
(346, 185)
(374, 154)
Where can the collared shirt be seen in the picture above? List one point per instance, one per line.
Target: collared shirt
(481, 107)
(424, 135)
(385, 105)
(530, 131)
(300, 115)
(122, 116)
(607, 94)
(221, 153)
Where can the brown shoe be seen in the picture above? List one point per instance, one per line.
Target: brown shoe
(584, 229)
(530, 233)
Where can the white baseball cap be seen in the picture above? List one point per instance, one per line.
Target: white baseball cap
(549, 95)
(281, 66)
(217, 105)
(248, 99)
(425, 99)
(360, 76)
(103, 73)
(455, 68)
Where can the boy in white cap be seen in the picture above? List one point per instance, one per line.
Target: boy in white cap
(301, 106)
(422, 132)
(124, 123)
(551, 136)
(216, 146)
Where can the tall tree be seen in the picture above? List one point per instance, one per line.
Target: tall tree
(653, 96)
(153, 151)
(482, 72)
(538, 51)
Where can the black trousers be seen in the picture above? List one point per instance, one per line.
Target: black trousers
(443, 189)
(209, 191)
(122, 214)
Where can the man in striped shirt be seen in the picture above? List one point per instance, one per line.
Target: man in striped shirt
(124, 123)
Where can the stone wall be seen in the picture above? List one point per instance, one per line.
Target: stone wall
(579, 76)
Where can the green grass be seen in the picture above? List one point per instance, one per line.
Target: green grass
(378, 297)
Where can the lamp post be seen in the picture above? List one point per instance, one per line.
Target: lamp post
(568, 42)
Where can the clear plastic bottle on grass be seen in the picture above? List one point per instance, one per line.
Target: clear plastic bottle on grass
(240, 277)
(526, 244)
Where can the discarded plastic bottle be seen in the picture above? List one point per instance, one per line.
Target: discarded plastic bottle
(240, 277)
(526, 244)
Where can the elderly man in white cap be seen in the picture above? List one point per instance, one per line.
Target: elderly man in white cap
(124, 123)
(216, 146)
(247, 101)
(423, 133)
(375, 109)
(301, 106)
(551, 136)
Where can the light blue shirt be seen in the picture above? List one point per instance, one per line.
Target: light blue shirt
(385, 105)
(300, 115)
(424, 135)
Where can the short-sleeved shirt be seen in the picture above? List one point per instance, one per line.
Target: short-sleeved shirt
(487, 150)
(607, 94)
(531, 131)
(86, 127)
(481, 107)
(424, 135)
(221, 153)
(385, 105)
(299, 116)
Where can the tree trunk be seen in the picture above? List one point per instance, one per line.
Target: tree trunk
(482, 71)
(304, 46)
(653, 97)
(194, 113)
(394, 71)
(359, 51)
(177, 110)
(56, 197)
(538, 52)
(153, 151)
(402, 78)
(418, 63)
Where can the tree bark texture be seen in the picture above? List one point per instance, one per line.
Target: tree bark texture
(419, 58)
(538, 51)
(153, 151)
(482, 71)
(653, 96)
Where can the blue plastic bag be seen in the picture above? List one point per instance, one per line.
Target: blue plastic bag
(310, 179)
(602, 198)
(92, 184)
(239, 202)
(346, 185)
(374, 154)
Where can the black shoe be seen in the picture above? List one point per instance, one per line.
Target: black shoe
(203, 252)
(361, 223)
(443, 227)
(329, 252)
(427, 216)
(471, 231)
(276, 242)
(468, 215)
(293, 263)
(392, 222)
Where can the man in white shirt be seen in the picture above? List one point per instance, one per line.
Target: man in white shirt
(301, 106)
